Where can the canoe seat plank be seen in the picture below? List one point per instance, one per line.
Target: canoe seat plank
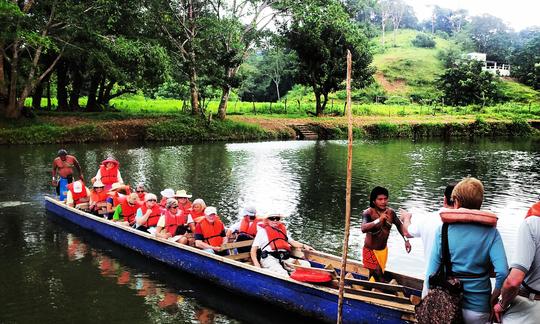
(376, 285)
(378, 295)
(234, 245)
(239, 256)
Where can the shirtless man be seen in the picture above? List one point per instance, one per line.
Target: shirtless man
(64, 164)
(377, 223)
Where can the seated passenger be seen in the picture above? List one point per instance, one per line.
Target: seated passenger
(210, 232)
(98, 198)
(141, 192)
(275, 246)
(174, 224)
(148, 214)
(183, 200)
(126, 210)
(77, 194)
(117, 191)
(245, 228)
(108, 173)
(166, 194)
(197, 210)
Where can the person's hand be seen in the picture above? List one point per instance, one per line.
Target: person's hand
(408, 246)
(498, 311)
(404, 215)
(383, 218)
(216, 248)
(54, 183)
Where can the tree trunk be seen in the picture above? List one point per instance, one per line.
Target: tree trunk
(107, 93)
(36, 96)
(49, 104)
(277, 91)
(91, 104)
(61, 86)
(3, 85)
(194, 91)
(318, 107)
(12, 110)
(101, 91)
(76, 86)
(222, 110)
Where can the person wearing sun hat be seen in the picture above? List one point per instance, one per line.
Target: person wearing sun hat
(109, 173)
(148, 214)
(98, 197)
(165, 195)
(276, 246)
(174, 224)
(210, 232)
(126, 210)
(183, 200)
(115, 196)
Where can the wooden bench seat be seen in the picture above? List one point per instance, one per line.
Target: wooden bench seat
(238, 256)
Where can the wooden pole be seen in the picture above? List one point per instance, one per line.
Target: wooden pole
(348, 193)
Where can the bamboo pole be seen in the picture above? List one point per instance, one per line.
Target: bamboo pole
(348, 192)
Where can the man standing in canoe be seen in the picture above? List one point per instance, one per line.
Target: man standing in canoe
(377, 223)
(64, 164)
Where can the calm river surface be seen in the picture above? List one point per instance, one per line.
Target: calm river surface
(55, 272)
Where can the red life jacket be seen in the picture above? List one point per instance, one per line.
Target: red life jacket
(128, 211)
(108, 176)
(173, 221)
(154, 215)
(141, 195)
(212, 231)
(246, 228)
(277, 237)
(80, 197)
(195, 215)
(534, 210)
(185, 207)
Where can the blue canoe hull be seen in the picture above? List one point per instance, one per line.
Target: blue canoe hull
(306, 299)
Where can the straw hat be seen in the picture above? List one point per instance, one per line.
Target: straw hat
(98, 184)
(110, 160)
(210, 210)
(182, 194)
(115, 186)
(167, 193)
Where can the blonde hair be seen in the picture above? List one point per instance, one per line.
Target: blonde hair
(469, 192)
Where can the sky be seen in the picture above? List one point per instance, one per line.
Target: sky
(518, 14)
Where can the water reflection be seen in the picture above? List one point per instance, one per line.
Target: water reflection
(305, 179)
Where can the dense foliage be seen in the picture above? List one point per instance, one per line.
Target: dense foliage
(423, 40)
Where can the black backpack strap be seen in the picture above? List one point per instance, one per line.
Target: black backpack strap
(446, 250)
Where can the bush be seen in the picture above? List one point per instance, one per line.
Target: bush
(423, 40)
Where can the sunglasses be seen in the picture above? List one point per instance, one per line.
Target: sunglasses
(151, 200)
(274, 218)
(252, 217)
(173, 207)
(140, 190)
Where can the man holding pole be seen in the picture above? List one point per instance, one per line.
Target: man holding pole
(377, 223)
(64, 164)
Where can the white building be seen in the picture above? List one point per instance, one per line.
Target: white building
(490, 66)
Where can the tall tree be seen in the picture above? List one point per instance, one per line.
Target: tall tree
(29, 29)
(321, 33)
(491, 36)
(397, 9)
(526, 63)
(385, 7)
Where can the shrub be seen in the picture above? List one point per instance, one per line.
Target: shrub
(423, 40)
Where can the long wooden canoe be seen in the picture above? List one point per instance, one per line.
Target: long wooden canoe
(365, 302)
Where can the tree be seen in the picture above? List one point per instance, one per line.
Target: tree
(491, 36)
(397, 8)
(465, 83)
(526, 63)
(385, 13)
(29, 30)
(320, 32)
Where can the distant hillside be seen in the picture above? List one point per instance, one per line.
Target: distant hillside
(408, 71)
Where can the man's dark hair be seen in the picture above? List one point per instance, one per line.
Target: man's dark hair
(448, 193)
(375, 193)
(62, 152)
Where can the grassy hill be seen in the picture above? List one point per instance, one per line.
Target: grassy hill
(404, 70)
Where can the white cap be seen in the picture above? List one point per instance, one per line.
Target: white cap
(167, 193)
(210, 210)
(77, 187)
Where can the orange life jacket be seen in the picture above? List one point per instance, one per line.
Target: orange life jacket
(534, 210)
(154, 215)
(277, 237)
(128, 211)
(173, 221)
(80, 197)
(98, 196)
(108, 176)
(249, 229)
(212, 231)
(196, 215)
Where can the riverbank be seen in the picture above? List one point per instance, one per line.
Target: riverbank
(182, 128)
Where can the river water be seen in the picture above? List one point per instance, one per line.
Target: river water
(55, 271)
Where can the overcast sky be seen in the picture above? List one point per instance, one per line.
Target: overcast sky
(518, 14)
